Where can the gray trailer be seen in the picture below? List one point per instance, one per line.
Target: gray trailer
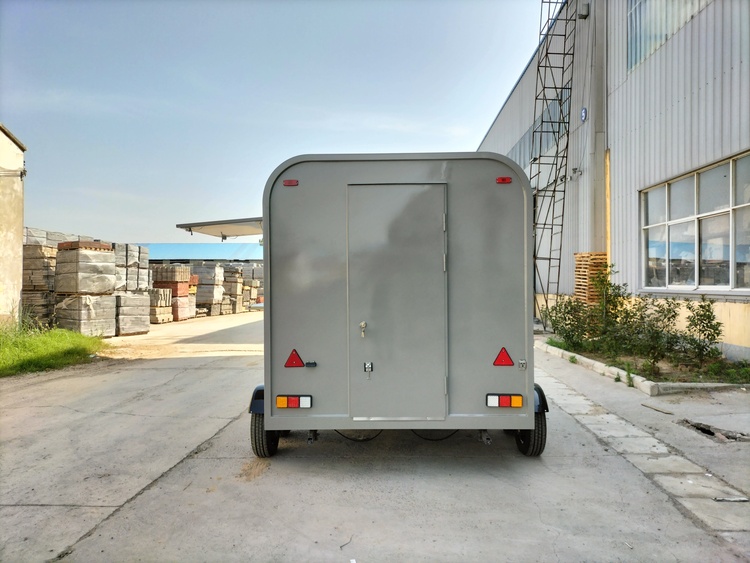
(398, 295)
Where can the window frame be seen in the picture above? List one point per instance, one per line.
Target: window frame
(646, 271)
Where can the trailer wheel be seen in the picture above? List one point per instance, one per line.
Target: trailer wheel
(264, 442)
(531, 442)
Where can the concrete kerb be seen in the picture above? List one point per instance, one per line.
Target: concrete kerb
(650, 388)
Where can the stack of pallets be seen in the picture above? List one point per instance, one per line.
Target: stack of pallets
(132, 314)
(233, 283)
(177, 278)
(588, 264)
(160, 310)
(37, 297)
(210, 292)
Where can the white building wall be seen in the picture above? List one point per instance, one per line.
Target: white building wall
(11, 226)
(685, 106)
(515, 117)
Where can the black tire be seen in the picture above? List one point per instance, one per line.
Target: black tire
(531, 442)
(264, 442)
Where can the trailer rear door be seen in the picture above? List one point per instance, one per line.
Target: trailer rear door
(397, 301)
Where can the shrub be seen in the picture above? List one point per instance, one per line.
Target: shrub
(703, 331)
(569, 319)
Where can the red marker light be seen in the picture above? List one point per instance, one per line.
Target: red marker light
(294, 361)
(291, 182)
(503, 180)
(503, 359)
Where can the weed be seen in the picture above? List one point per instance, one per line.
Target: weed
(30, 347)
(573, 360)
(629, 379)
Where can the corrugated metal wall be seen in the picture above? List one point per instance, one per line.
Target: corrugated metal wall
(685, 106)
(584, 224)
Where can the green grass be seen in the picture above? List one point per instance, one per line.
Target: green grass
(26, 350)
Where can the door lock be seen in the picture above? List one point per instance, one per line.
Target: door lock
(362, 326)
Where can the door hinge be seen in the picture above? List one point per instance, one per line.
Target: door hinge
(522, 364)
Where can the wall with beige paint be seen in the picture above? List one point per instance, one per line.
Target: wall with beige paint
(11, 225)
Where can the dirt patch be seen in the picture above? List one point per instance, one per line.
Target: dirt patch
(666, 372)
(123, 350)
(254, 469)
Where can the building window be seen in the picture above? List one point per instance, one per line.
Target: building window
(696, 229)
(652, 22)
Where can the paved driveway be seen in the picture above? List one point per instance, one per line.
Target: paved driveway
(149, 459)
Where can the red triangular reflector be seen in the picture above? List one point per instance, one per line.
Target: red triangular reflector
(503, 359)
(294, 361)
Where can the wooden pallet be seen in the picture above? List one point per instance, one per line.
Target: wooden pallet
(85, 245)
(588, 264)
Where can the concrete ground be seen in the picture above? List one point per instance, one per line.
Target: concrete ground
(695, 446)
(147, 457)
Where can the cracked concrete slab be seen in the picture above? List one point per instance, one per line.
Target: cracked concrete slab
(725, 516)
(663, 464)
(42, 530)
(696, 485)
(638, 445)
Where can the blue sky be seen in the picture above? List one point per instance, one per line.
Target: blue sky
(141, 114)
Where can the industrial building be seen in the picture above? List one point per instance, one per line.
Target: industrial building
(632, 120)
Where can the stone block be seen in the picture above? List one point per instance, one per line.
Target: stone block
(88, 284)
(39, 251)
(99, 327)
(129, 325)
(179, 289)
(86, 268)
(133, 300)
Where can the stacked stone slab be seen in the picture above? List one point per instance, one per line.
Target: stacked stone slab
(84, 287)
(258, 275)
(232, 302)
(132, 314)
(40, 237)
(132, 267)
(37, 297)
(176, 278)
(144, 273)
(92, 315)
(121, 271)
(160, 310)
(192, 291)
(210, 292)
(251, 292)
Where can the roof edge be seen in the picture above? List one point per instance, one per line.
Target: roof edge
(12, 137)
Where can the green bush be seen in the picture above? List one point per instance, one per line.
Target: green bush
(569, 319)
(703, 331)
(621, 325)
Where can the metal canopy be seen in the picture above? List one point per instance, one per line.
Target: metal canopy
(226, 229)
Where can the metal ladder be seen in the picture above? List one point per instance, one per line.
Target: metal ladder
(548, 170)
